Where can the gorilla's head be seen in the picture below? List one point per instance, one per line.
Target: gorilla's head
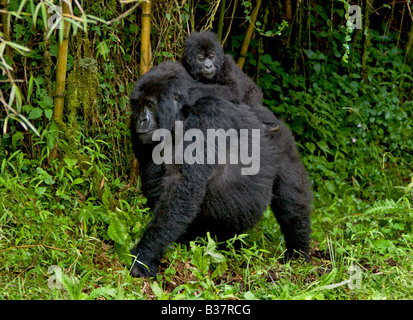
(203, 56)
(157, 99)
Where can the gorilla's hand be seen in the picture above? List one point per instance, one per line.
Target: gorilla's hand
(142, 266)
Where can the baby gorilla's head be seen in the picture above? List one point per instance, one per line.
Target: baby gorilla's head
(203, 56)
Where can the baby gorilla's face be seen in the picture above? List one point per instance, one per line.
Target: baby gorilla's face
(203, 56)
(206, 64)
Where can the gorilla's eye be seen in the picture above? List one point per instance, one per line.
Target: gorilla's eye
(200, 57)
(211, 56)
(149, 104)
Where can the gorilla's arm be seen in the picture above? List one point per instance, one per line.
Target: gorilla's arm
(200, 90)
(227, 89)
(175, 210)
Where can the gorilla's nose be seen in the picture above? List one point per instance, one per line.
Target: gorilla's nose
(142, 119)
(208, 64)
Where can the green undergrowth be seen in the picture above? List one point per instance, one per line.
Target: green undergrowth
(60, 239)
(66, 226)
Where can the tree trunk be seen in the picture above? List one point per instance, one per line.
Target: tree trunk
(288, 10)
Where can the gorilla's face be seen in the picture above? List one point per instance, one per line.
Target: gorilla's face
(143, 115)
(152, 112)
(205, 62)
(157, 99)
(203, 56)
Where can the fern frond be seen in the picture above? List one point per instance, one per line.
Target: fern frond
(382, 205)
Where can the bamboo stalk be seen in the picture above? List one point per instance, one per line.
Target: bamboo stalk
(221, 20)
(5, 20)
(146, 37)
(47, 61)
(145, 64)
(61, 73)
(61, 67)
(248, 34)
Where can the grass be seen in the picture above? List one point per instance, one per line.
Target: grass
(46, 221)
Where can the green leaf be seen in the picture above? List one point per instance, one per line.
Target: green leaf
(310, 146)
(212, 252)
(41, 190)
(48, 180)
(382, 245)
(330, 186)
(16, 137)
(70, 162)
(117, 231)
(52, 135)
(35, 113)
(326, 280)
(317, 68)
(157, 290)
(250, 296)
(323, 146)
(48, 113)
(78, 181)
(105, 292)
(30, 90)
(310, 54)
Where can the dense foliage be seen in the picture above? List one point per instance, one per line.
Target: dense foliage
(82, 210)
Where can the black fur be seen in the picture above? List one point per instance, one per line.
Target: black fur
(189, 200)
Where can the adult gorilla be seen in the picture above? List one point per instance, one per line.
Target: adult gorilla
(190, 199)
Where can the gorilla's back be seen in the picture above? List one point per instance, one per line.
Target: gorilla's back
(233, 197)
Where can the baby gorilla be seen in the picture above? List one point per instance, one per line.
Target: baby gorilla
(205, 60)
(190, 199)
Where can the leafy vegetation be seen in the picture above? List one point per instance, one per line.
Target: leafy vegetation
(67, 223)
